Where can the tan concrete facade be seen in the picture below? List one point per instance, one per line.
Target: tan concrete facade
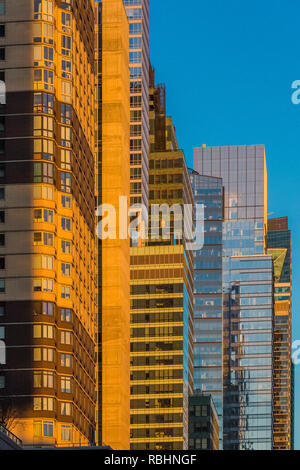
(115, 253)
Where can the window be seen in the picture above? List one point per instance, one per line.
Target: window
(2, 171)
(66, 360)
(43, 331)
(135, 28)
(43, 403)
(135, 57)
(2, 7)
(66, 159)
(43, 379)
(65, 292)
(48, 428)
(66, 19)
(66, 409)
(66, 246)
(66, 314)
(43, 238)
(2, 309)
(43, 285)
(135, 159)
(135, 43)
(44, 172)
(65, 182)
(2, 332)
(43, 354)
(66, 269)
(2, 285)
(43, 126)
(66, 337)
(2, 382)
(2, 217)
(43, 428)
(66, 202)
(2, 239)
(66, 67)
(43, 215)
(66, 113)
(2, 262)
(66, 433)
(48, 308)
(66, 384)
(2, 53)
(2, 88)
(2, 194)
(2, 30)
(135, 144)
(66, 136)
(66, 45)
(43, 103)
(66, 224)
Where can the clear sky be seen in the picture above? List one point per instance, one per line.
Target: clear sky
(228, 66)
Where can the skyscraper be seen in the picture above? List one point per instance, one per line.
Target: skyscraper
(48, 262)
(162, 306)
(247, 294)
(138, 18)
(113, 182)
(279, 246)
(208, 318)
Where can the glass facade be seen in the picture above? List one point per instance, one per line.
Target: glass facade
(247, 328)
(248, 354)
(208, 326)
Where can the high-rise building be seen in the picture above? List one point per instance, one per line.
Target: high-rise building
(48, 259)
(247, 294)
(208, 318)
(162, 304)
(248, 355)
(161, 326)
(279, 246)
(113, 413)
(203, 423)
(138, 18)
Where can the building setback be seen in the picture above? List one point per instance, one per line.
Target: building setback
(48, 270)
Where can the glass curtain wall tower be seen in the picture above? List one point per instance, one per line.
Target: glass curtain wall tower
(208, 319)
(247, 303)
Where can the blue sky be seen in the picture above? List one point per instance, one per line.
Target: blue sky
(228, 68)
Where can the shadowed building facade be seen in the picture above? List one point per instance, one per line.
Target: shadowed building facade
(203, 423)
(48, 271)
(279, 246)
